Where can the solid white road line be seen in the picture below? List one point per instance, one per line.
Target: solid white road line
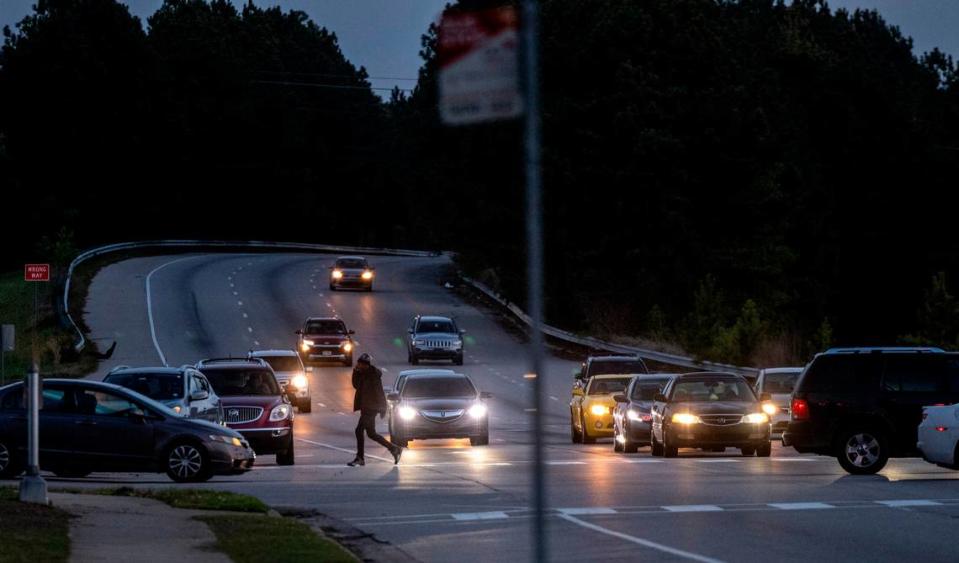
(904, 503)
(328, 446)
(693, 508)
(153, 331)
(586, 510)
(639, 541)
(800, 505)
(480, 515)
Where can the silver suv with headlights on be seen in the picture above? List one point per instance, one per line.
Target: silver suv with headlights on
(434, 338)
(290, 374)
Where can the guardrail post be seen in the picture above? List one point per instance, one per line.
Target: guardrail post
(33, 488)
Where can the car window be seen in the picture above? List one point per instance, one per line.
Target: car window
(200, 384)
(711, 390)
(101, 403)
(234, 382)
(779, 383)
(158, 386)
(952, 375)
(435, 326)
(646, 389)
(325, 327)
(845, 373)
(607, 386)
(283, 363)
(425, 387)
(912, 373)
(350, 263)
(611, 367)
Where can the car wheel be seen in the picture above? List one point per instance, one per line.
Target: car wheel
(187, 462)
(575, 435)
(668, 451)
(287, 457)
(458, 360)
(587, 439)
(414, 360)
(482, 440)
(348, 362)
(399, 440)
(862, 451)
(332, 287)
(629, 446)
(654, 445)
(369, 288)
(10, 464)
(765, 449)
(617, 445)
(306, 405)
(748, 452)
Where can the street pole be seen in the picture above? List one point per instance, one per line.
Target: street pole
(534, 238)
(33, 488)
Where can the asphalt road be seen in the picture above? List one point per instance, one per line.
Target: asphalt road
(450, 502)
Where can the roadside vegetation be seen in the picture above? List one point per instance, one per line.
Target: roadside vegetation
(31, 532)
(251, 539)
(199, 499)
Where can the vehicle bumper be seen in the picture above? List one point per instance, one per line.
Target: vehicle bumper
(599, 426)
(937, 447)
(804, 438)
(638, 432)
(423, 429)
(438, 353)
(779, 422)
(266, 441)
(733, 436)
(351, 282)
(317, 353)
(227, 459)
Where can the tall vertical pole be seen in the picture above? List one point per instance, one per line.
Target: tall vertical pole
(534, 274)
(33, 488)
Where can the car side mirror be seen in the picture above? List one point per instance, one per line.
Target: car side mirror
(660, 398)
(578, 391)
(409, 330)
(351, 331)
(486, 395)
(620, 398)
(199, 396)
(393, 397)
(765, 397)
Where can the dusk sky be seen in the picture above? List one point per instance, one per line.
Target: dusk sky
(384, 35)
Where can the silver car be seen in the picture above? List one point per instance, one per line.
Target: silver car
(184, 389)
(289, 371)
(438, 405)
(779, 383)
(435, 338)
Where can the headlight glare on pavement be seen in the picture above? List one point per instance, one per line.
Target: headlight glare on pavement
(756, 418)
(685, 418)
(599, 410)
(407, 413)
(280, 412)
(478, 410)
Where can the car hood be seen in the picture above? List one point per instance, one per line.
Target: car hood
(265, 401)
(599, 400)
(717, 407)
(437, 336)
(206, 426)
(447, 403)
(641, 406)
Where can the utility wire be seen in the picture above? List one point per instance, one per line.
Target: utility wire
(329, 86)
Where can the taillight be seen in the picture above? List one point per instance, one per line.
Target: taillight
(800, 409)
(941, 429)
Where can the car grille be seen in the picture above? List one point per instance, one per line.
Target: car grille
(241, 415)
(438, 343)
(721, 419)
(442, 416)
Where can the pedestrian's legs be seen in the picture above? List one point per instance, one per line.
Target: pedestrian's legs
(360, 427)
(370, 427)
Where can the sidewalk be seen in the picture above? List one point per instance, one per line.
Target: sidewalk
(109, 528)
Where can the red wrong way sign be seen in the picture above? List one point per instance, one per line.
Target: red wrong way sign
(478, 55)
(36, 272)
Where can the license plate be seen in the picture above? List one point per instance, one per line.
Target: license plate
(326, 352)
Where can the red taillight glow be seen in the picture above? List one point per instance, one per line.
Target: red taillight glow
(647, 418)
(800, 409)
(941, 429)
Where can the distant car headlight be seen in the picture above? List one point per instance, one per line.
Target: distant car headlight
(407, 413)
(232, 440)
(300, 381)
(478, 410)
(770, 409)
(337, 274)
(756, 418)
(367, 275)
(177, 409)
(347, 346)
(280, 412)
(685, 418)
(599, 410)
(305, 345)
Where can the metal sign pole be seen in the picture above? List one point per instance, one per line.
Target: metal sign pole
(33, 488)
(534, 237)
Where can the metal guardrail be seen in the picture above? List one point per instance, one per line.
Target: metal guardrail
(81, 342)
(595, 343)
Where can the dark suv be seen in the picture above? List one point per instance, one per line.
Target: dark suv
(326, 338)
(254, 404)
(864, 405)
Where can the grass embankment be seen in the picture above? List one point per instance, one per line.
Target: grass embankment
(31, 532)
(200, 499)
(251, 539)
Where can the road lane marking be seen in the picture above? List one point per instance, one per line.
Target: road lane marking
(328, 446)
(582, 511)
(794, 459)
(153, 331)
(693, 508)
(717, 461)
(565, 462)
(639, 541)
(904, 503)
(643, 461)
(496, 515)
(801, 505)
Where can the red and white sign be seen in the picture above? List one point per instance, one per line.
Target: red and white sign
(479, 66)
(36, 272)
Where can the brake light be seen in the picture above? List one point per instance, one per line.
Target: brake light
(800, 409)
(941, 429)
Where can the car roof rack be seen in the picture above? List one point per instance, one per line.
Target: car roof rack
(885, 350)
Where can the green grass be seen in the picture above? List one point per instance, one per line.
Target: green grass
(200, 499)
(252, 539)
(31, 532)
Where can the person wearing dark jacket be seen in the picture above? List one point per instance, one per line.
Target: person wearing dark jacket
(370, 400)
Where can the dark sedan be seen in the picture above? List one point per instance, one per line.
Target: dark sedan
(709, 411)
(88, 426)
(438, 405)
(631, 416)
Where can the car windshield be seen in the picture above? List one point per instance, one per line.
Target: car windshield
(283, 363)
(646, 389)
(325, 327)
(159, 386)
(351, 263)
(780, 383)
(435, 326)
(607, 386)
(438, 387)
(604, 367)
(233, 382)
(707, 390)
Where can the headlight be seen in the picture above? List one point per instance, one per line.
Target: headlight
(634, 415)
(756, 418)
(300, 381)
(417, 343)
(305, 345)
(367, 275)
(457, 344)
(336, 274)
(478, 410)
(407, 413)
(177, 409)
(232, 440)
(599, 410)
(770, 409)
(685, 418)
(281, 412)
(347, 346)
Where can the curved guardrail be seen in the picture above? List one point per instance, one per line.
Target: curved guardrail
(595, 343)
(80, 342)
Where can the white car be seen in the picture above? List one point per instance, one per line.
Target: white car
(289, 370)
(939, 435)
(779, 383)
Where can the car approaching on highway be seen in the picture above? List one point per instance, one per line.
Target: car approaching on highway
(325, 339)
(709, 411)
(88, 426)
(864, 405)
(939, 435)
(254, 404)
(438, 405)
(351, 271)
(185, 390)
(631, 415)
(434, 338)
(603, 365)
(779, 383)
(591, 407)
(290, 374)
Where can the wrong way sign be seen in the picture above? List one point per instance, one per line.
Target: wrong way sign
(478, 55)
(36, 272)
